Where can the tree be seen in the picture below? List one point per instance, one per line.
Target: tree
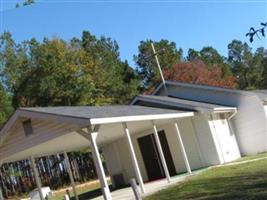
(211, 58)
(5, 105)
(199, 73)
(247, 66)
(57, 72)
(193, 55)
(25, 3)
(147, 67)
(117, 80)
(252, 32)
(257, 74)
(28, 2)
(264, 73)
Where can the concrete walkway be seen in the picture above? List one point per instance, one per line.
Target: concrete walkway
(151, 187)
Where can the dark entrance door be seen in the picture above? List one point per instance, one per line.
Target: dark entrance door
(167, 153)
(151, 157)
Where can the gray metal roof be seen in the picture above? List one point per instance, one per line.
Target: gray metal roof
(89, 112)
(174, 102)
(262, 94)
(204, 87)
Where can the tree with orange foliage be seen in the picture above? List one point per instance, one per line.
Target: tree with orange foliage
(199, 73)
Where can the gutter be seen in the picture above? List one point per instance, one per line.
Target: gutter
(227, 110)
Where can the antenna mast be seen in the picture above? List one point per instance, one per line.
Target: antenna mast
(160, 71)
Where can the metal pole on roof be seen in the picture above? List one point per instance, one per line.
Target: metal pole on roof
(159, 67)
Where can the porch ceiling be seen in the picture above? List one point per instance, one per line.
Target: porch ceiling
(48, 142)
(72, 141)
(68, 142)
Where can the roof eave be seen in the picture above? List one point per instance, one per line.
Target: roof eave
(224, 109)
(110, 120)
(80, 122)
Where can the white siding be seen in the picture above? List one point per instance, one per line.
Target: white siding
(190, 142)
(265, 108)
(205, 138)
(249, 124)
(224, 139)
(44, 131)
(118, 157)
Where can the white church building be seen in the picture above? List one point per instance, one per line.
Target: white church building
(157, 136)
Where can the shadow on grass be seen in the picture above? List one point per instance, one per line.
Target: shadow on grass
(94, 193)
(91, 194)
(234, 188)
(243, 182)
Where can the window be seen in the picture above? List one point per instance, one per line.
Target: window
(27, 126)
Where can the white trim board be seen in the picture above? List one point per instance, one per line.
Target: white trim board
(109, 120)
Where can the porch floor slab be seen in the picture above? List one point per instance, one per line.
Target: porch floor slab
(151, 187)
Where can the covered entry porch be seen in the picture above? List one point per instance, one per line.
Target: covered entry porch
(35, 132)
(151, 187)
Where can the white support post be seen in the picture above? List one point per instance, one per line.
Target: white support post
(1, 193)
(133, 156)
(161, 154)
(67, 162)
(99, 166)
(37, 178)
(182, 148)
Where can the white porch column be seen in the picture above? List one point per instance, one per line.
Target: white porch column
(182, 148)
(161, 154)
(133, 156)
(1, 193)
(37, 178)
(67, 162)
(99, 166)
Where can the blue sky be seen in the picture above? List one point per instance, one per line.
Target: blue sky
(190, 24)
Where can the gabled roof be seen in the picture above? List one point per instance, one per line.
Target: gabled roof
(205, 87)
(106, 114)
(181, 104)
(262, 94)
(61, 124)
(84, 116)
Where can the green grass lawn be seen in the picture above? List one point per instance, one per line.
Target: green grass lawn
(256, 156)
(246, 181)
